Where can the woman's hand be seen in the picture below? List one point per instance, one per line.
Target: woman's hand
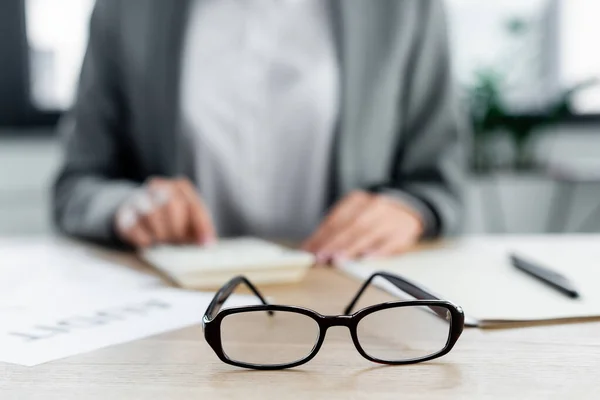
(165, 211)
(365, 225)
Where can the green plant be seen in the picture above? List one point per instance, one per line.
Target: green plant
(491, 116)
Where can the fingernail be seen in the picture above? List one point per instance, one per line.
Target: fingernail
(159, 196)
(126, 219)
(143, 204)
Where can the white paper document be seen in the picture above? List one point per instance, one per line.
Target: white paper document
(59, 301)
(32, 338)
(41, 274)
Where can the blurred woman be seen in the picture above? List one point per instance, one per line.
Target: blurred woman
(332, 122)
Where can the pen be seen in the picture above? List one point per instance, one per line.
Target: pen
(545, 275)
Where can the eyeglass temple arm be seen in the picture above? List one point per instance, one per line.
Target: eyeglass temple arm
(227, 290)
(401, 283)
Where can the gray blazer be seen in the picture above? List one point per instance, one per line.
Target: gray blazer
(398, 131)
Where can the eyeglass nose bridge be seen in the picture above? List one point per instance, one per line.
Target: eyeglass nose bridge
(336, 320)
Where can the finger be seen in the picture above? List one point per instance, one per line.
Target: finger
(365, 243)
(126, 219)
(177, 212)
(138, 237)
(393, 245)
(128, 228)
(156, 224)
(202, 227)
(158, 182)
(159, 194)
(317, 237)
(373, 218)
(343, 212)
(174, 210)
(151, 215)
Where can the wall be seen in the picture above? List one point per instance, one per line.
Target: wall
(521, 203)
(27, 167)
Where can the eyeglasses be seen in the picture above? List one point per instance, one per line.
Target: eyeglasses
(270, 337)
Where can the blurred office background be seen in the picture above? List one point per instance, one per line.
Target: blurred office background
(526, 70)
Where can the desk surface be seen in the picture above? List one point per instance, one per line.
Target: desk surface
(534, 363)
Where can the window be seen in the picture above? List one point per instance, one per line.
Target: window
(57, 35)
(540, 47)
(580, 57)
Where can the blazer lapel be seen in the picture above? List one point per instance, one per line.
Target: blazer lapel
(361, 142)
(346, 144)
(335, 14)
(166, 34)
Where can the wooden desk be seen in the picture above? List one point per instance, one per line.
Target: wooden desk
(534, 363)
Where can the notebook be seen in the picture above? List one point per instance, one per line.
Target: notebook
(475, 273)
(195, 267)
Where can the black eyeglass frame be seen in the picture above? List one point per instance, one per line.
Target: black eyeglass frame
(211, 322)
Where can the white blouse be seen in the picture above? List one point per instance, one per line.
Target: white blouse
(260, 98)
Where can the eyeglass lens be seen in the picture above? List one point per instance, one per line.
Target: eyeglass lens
(258, 338)
(404, 333)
